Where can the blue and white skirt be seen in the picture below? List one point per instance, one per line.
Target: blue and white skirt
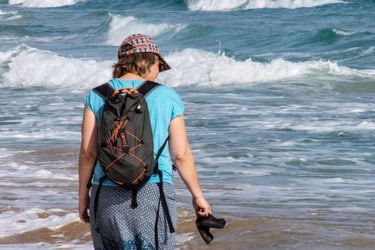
(118, 226)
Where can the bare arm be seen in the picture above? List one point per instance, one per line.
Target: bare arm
(184, 161)
(87, 159)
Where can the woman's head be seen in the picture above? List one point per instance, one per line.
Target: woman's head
(136, 54)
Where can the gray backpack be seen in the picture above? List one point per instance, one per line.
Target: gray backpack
(125, 140)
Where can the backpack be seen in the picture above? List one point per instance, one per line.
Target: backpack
(125, 140)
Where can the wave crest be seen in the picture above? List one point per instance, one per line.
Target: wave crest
(26, 66)
(219, 5)
(44, 3)
(197, 67)
(121, 27)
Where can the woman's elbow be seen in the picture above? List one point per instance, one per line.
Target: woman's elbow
(182, 157)
(87, 156)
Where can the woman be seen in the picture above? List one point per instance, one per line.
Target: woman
(116, 225)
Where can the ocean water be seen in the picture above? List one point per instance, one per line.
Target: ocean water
(280, 111)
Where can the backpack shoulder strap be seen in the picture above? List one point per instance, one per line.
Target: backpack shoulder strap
(107, 90)
(147, 87)
(104, 90)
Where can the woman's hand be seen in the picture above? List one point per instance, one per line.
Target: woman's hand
(83, 209)
(201, 206)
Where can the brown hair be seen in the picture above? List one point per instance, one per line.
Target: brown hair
(137, 63)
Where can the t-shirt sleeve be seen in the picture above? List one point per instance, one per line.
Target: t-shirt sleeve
(89, 101)
(93, 101)
(178, 108)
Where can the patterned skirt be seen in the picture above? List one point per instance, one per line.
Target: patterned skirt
(118, 226)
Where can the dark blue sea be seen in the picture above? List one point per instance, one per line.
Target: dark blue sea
(280, 111)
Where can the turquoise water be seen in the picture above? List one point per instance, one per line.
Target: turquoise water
(279, 102)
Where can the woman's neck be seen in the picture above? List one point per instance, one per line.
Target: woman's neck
(131, 76)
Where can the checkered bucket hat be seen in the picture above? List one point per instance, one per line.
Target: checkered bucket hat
(139, 43)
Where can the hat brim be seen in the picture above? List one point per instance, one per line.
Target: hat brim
(164, 65)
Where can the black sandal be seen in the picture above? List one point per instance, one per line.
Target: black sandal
(205, 223)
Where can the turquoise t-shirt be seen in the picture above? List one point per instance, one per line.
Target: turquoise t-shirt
(164, 105)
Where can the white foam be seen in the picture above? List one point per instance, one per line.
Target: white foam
(182, 238)
(121, 27)
(197, 67)
(27, 66)
(219, 5)
(11, 15)
(44, 3)
(4, 152)
(29, 220)
(35, 173)
(338, 126)
(368, 51)
(33, 67)
(344, 33)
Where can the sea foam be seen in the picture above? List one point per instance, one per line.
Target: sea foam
(27, 66)
(44, 3)
(33, 67)
(121, 27)
(9, 15)
(218, 5)
(30, 219)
